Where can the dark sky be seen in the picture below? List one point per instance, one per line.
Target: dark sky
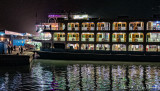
(19, 15)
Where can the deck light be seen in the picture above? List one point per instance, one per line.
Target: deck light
(80, 16)
(2, 38)
(157, 22)
(54, 16)
(1, 33)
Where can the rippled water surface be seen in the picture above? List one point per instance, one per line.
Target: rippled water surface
(55, 75)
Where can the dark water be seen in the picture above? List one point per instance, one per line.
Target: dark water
(54, 75)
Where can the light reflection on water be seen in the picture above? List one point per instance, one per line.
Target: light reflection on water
(82, 77)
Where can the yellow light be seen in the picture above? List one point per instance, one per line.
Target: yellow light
(2, 38)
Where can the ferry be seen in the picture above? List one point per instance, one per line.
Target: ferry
(113, 37)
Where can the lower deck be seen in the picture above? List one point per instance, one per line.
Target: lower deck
(103, 47)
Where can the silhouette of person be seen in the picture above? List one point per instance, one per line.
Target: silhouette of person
(44, 27)
(21, 49)
(36, 46)
(50, 27)
(14, 48)
(9, 49)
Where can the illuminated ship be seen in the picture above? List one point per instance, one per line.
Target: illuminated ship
(121, 35)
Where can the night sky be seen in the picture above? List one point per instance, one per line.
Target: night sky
(20, 15)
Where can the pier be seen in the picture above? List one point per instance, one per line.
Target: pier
(16, 59)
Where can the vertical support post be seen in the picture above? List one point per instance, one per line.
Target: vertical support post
(52, 40)
(66, 33)
(111, 32)
(80, 35)
(127, 37)
(145, 33)
(95, 34)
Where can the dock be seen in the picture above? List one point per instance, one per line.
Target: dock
(16, 59)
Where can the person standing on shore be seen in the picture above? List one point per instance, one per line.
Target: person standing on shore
(9, 49)
(21, 49)
(14, 48)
